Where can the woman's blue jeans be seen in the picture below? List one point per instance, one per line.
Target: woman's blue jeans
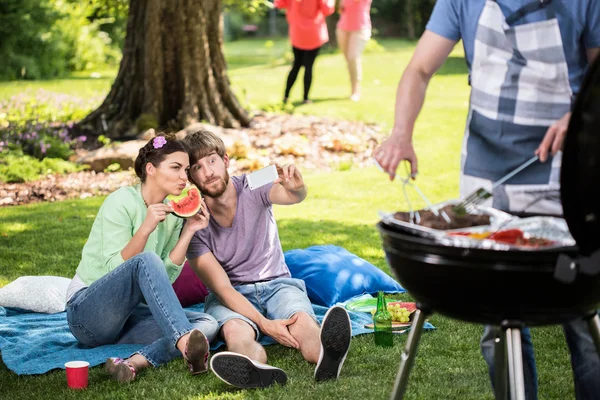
(112, 310)
(584, 359)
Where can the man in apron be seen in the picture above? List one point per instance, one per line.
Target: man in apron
(526, 59)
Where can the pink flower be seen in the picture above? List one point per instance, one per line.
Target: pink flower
(159, 142)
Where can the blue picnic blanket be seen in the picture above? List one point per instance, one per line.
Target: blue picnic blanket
(35, 343)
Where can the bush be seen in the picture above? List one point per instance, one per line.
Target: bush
(243, 18)
(27, 48)
(48, 38)
(40, 125)
(15, 167)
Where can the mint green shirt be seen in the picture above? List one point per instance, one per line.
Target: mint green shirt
(119, 217)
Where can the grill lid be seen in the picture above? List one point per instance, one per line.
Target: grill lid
(580, 172)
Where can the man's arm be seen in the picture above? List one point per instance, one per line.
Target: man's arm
(215, 278)
(430, 54)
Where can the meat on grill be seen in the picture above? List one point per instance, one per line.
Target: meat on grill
(430, 220)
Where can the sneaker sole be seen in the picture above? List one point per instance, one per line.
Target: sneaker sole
(198, 349)
(336, 333)
(238, 370)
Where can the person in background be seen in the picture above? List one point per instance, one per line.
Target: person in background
(240, 259)
(308, 32)
(122, 292)
(353, 31)
(526, 60)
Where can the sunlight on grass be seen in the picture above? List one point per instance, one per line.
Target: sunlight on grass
(14, 227)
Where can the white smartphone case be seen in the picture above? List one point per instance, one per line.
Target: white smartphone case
(261, 177)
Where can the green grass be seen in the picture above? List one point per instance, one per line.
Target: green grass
(46, 239)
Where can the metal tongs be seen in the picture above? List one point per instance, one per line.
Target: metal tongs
(414, 216)
(469, 203)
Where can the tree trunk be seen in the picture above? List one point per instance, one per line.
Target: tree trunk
(410, 19)
(173, 72)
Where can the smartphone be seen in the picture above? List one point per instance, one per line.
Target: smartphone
(261, 177)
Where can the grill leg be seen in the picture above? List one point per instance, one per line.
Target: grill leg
(594, 324)
(408, 355)
(500, 366)
(515, 364)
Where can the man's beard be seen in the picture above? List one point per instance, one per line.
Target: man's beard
(214, 193)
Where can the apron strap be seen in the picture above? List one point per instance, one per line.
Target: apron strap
(528, 9)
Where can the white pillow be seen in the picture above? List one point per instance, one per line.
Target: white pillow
(43, 294)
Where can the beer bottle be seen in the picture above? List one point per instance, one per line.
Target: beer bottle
(382, 322)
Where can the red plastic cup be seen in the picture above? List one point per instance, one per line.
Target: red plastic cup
(77, 374)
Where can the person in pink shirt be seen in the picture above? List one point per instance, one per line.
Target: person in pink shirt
(308, 32)
(353, 31)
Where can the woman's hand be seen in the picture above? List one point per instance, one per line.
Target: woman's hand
(197, 221)
(156, 213)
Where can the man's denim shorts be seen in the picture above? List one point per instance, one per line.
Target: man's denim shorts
(280, 298)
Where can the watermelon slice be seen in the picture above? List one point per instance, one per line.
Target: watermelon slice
(187, 204)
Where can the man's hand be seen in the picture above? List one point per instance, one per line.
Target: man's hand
(278, 330)
(554, 139)
(392, 151)
(199, 220)
(289, 177)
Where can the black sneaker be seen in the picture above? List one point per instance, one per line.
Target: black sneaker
(336, 333)
(240, 371)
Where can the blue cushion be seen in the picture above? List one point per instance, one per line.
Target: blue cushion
(332, 274)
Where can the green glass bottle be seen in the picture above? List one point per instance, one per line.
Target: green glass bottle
(382, 322)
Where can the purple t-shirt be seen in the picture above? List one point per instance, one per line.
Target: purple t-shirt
(249, 251)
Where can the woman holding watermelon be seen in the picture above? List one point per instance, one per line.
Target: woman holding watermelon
(122, 292)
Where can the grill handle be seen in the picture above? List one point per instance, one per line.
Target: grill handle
(567, 267)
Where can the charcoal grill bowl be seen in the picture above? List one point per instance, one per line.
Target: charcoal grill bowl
(487, 286)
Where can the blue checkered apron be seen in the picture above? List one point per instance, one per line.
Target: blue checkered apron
(519, 87)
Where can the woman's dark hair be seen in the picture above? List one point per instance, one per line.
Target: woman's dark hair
(155, 152)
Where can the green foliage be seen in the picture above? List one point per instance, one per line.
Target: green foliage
(46, 38)
(248, 8)
(403, 13)
(104, 140)
(27, 48)
(111, 16)
(17, 167)
(281, 107)
(243, 14)
(114, 167)
(233, 26)
(84, 44)
(40, 124)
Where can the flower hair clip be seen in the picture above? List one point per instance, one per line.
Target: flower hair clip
(159, 142)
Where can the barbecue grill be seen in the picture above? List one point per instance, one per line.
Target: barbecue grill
(513, 288)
